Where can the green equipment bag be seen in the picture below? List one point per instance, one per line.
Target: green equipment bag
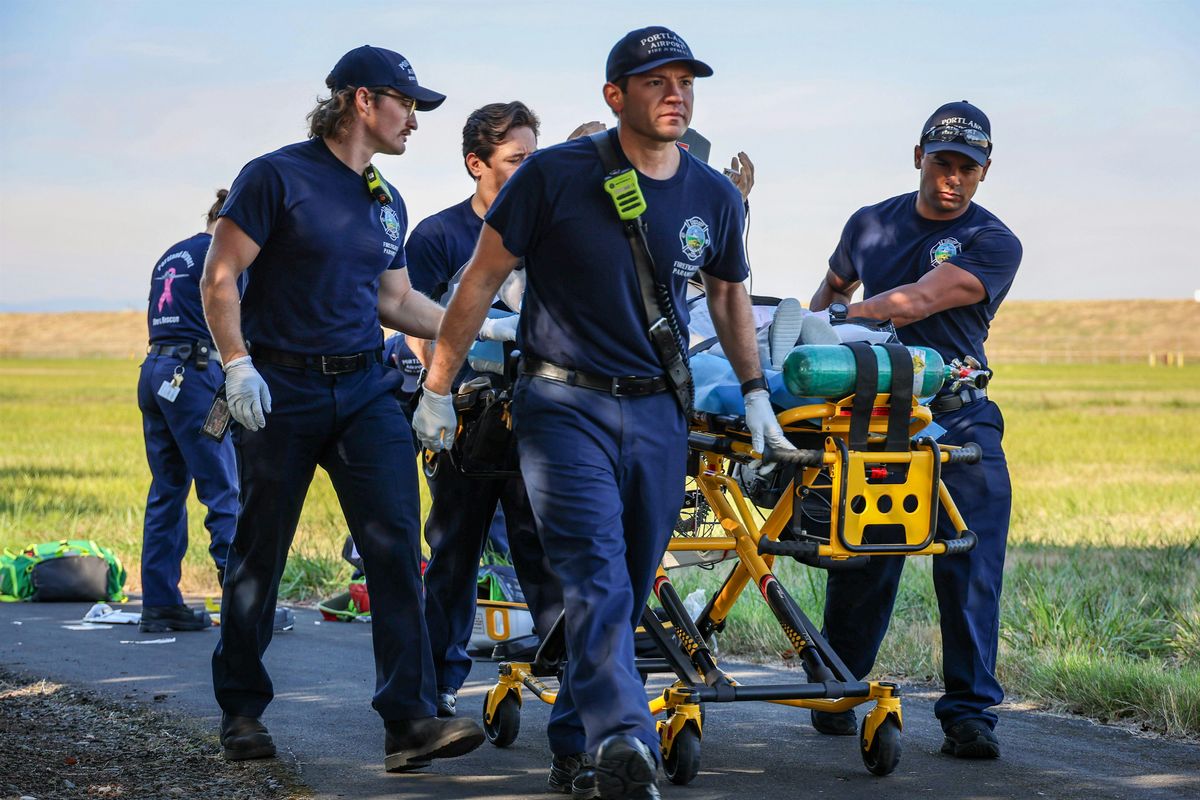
(67, 570)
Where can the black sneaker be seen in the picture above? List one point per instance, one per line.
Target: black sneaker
(447, 700)
(158, 619)
(971, 738)
(411, 743)
(243, 738)
(835, 723)
(574, 775)
(626, 770)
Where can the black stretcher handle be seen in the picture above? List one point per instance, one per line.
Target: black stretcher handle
(965, 543)
(969, 453)
(799, 457)
(710, 443)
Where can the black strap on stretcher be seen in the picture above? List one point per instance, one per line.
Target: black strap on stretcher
(866, 387)
(663, 327)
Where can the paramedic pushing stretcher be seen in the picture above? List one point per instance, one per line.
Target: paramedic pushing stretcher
(938, 266)
(601, 436)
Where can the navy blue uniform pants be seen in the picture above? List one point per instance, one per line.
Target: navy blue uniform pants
(178, 454)
(352, 426)
(858, 604)
(457, 529)
(605, 480)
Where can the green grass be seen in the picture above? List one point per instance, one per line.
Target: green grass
(1101, 608)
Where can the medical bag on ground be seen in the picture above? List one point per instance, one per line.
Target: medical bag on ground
(66, 570)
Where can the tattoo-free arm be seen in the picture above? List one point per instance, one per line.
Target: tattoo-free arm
(404, 308)
(230, 253)
(834, 289)
(489, 266)
(945, 286)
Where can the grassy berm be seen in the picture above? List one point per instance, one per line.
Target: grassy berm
(60, 743)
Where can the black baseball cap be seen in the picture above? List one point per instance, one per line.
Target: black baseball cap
(372, 67)
(960, 127)
(646, 48)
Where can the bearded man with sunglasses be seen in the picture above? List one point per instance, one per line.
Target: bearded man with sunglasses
(938, 265)
(322, 235)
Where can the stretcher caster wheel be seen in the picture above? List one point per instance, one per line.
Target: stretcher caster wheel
(505, 724)
(682, 763)
(883, 754)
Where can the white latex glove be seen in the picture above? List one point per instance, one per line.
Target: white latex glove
(435, 422)
(247, 394)
(500, 329)
(764, 427)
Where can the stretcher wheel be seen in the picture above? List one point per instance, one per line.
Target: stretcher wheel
(506, 723)
(883, 754)
(682, 763)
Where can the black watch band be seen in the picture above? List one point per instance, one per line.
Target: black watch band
(754, 383)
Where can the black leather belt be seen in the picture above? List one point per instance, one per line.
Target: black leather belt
(944, 403)
(201, 349)
(618, 387)
(326, 365)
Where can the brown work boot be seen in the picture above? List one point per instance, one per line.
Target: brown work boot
(243, 738)
(412, 743)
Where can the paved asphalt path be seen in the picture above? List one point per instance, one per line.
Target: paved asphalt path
(324, 726)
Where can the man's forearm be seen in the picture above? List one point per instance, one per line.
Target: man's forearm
(460, 324)
(414, 314)
(903, 305)
(826, 296)
(223, 312)
(733, 319)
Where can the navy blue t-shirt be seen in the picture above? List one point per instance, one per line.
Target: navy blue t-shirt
(314, 287)
(890, 244)
(175, 313)
(583, 306)
(440, 245)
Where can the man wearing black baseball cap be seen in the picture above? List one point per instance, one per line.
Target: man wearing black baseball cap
(601, 431)
(324, 233)
(938, 265)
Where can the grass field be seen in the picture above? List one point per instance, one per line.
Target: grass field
(1102, 595)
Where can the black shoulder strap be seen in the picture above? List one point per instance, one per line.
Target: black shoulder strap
(656, 299)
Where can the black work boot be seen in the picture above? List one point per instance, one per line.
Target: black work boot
(626, 769)
(447, 700)
(243, 738)
(574, 775)
(158, 619)
(971, 738)
(411, 743)
(835, 723)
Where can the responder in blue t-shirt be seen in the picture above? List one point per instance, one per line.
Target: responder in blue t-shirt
(322, 237)
(497, 138)
(601, 436)
(938, 266)
(179, 379)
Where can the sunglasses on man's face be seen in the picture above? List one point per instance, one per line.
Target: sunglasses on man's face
(958, 133)
(409, 104)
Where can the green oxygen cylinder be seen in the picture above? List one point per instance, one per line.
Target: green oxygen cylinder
(828, 370)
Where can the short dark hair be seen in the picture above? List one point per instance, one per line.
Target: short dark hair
(215, 210)
(487, 127)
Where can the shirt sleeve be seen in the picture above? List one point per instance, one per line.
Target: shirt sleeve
(428, 266)
(841, 263)
(255, 200)
(516, 212)
(729, 256)
(993, 257)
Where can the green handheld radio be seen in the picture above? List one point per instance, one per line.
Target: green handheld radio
(626, 194)
(376, 186)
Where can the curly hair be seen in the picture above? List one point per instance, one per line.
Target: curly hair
(487, 127)
(333, 115)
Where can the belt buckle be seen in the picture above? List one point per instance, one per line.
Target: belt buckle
(337, 365)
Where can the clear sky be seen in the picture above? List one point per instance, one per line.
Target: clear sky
(120, 119)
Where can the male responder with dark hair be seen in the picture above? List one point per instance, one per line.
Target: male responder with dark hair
(938, 266)
(600, 432)
(322, 234)
(497, 138)
(178, 380)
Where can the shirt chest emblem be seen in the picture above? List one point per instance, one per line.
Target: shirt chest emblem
(944, 250)
(390, 222)
(694, 237)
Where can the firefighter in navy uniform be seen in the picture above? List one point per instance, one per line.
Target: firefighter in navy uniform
(938, 265)
(600, 432)
(179, 378)
(462, 519)
(322, 235)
